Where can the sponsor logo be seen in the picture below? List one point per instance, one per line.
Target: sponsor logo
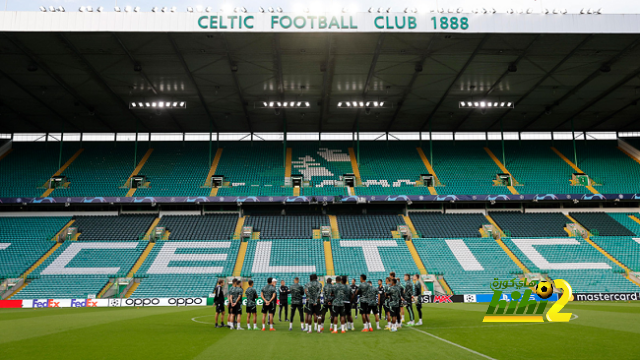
(142, 302)
(83, 303)
(469, 298)
(114, 302)
(45, 303)
(442, 299)
(525, 308)
(185, 301)
(607, 297)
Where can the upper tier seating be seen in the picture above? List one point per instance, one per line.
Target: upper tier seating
(27, 167)
(321, 165)
(283, 260)
(191, 276)
(23, 240)
(602, 160)
(123, 227)
(466, 274)
(207, 227)
(531, 224)
(464, 167)
(286, 227)
(437, 225)
(253, 169)
(585, 268)
(359, 256)
(373, 226)
(176, 169)
(540, 170)
(624, 249)
(75, 280)
(602, 222)
(626, 221)
(100, 170)
(390, 167)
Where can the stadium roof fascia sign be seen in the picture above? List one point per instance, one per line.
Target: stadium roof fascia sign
(322, 22)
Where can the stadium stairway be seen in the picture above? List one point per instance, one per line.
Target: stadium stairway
(503, 168)
(335, 230)
(356, 171)
(328, 258)
(593, 191)
(505, 247)
(135, 172)
(432, 190)
(411, 246)
(237, 268)
(212, 171)
(146, 251)
(238, 231)
(63, 168)
(287, 167)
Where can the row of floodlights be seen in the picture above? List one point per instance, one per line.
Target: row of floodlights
(158, 105)
(306, 10)
(361, 104)
(486, 104)
(284, 104)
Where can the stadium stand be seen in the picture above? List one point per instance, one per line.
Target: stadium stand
(624, 249)
(322, 165)
(531, 224)
(371, 226)
(606, 164)
(360, 256)
(295, 226)
(283, 259)
(538, 168)
(465, 168)
(123, 227)
(28, 238)
(191, 275)
(603, 223)
(468, 265)
(253, 169)
(68, 275)
(100, 170)
(207, 227)
(28, 167)
(571, 259)
(176, 169)
(437, 225)
(626, 221)
(390, 168)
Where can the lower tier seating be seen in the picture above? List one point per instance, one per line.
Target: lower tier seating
(626, 221)
(283, 259)
(469, 265)
(207, 227)
(372, 257)
(23, 240)
(437, 225)
(123, 227)
(625, 249)
(186, 268)
(286, 227)
(77, 269)
(603, 223)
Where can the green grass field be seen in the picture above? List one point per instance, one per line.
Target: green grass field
(601, 330)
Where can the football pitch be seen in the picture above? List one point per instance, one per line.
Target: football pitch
(450, 331)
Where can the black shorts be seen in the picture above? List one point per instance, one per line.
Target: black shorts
(219, 307)
(338, 310)
(373, 309)
(387, 309)
(270, 309)
(347, 308)
(364, 308)
(395, 311)
(312, 309)
(325, 309)
(251, 309)
(237, 310)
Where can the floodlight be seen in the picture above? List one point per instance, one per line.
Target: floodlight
(189, 9)
(261, 9)
(117, 9)
(136, 9)
(154, 9)
(60, 9)
(459, 10)
(279, 9)
(81, 8)
(173, 9)
(127, 8)
(529, 11)
(43, 9)
(164, 9)
(208, 9)
(89, 9)
(99, 9)
(271, 9)
(370, 10)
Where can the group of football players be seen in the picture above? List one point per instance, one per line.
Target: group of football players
(314, 302)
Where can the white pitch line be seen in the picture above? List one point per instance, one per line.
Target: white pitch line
(202, 322)
(454, 344)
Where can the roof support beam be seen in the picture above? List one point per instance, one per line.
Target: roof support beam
(185, 67)
(407, 90)
(236, 82)
(584, 82)
(455, 80)
(370, 74)
(634, 102)
(21, 116)
(145, 77)
(277, 63)
(329, 67)
(504, 74)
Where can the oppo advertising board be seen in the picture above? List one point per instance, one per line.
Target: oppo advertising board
(318, 22)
